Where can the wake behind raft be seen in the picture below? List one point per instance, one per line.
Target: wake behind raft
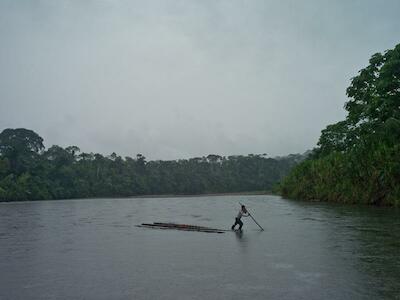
(183, 227)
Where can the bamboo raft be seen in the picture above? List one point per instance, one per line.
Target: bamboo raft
(183, 227)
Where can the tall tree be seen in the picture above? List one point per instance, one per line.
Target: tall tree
(358, 159)
(20, 146)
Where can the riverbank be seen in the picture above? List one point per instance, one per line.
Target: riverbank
(255, 193)
(207, 195)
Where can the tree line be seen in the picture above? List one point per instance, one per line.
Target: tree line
(28, 171)
(357, 160)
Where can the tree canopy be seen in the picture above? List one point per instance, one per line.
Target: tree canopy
(28, 171)
(357, 159)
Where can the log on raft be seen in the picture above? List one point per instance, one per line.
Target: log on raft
(183, 227)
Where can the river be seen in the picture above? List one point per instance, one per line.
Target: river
(91, 249)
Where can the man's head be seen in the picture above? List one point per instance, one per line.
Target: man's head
(244, 208)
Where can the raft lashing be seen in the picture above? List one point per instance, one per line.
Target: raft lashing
(183, 227)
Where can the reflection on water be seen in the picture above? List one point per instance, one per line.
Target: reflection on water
(91, 249)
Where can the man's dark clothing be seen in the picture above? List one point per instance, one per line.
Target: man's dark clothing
(237, 222)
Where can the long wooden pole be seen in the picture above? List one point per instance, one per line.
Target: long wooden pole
(253, 219)
(262, 229)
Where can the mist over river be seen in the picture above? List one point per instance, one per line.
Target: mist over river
(91, 249)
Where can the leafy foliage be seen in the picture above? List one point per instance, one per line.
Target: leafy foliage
(358, 160)
(29, 172)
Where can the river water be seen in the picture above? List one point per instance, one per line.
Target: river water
(91, 249)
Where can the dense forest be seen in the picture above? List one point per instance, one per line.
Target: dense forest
(28, 171)
(358, 160)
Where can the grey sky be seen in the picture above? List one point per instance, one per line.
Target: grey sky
(178, 79)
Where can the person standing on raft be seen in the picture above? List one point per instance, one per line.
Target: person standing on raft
(242, 213)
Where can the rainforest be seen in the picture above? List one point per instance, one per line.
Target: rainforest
(357, 160)
(28, 171)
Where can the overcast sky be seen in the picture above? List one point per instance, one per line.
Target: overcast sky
(179, 79)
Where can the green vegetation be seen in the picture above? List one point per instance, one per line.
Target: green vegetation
(358, 160)
(30, 172)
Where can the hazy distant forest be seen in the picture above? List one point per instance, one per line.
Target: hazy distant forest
(28, 171)
(358, 159)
